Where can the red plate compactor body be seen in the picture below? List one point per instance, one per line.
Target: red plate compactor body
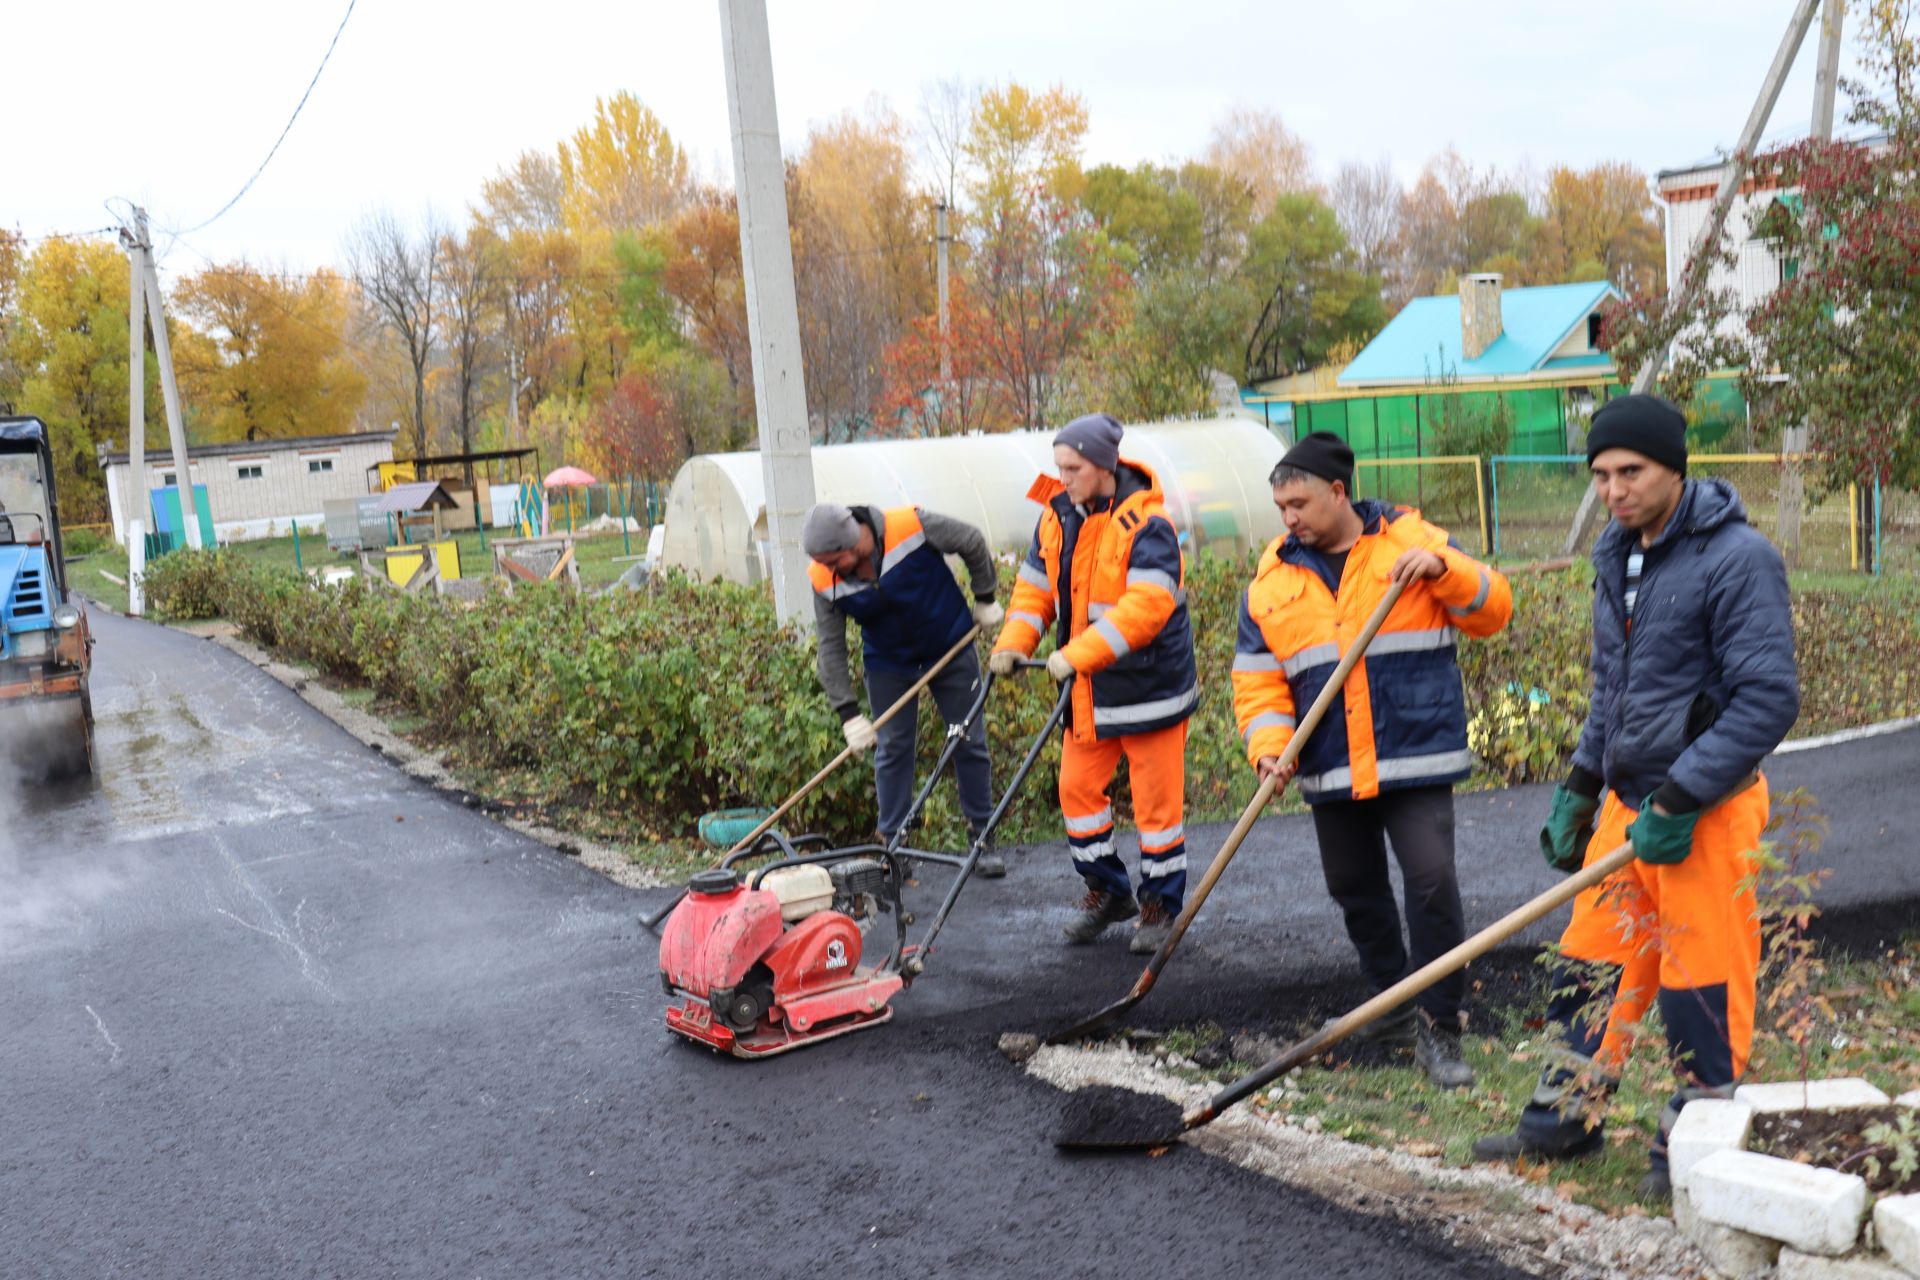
(802, 948)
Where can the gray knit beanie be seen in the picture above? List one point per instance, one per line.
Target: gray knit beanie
(1096, 438)
(829, 527)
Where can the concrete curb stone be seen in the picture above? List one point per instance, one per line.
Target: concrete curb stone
(1896, 1228)
(1816, 1211)
(1811, 1095)
(1705, 1126)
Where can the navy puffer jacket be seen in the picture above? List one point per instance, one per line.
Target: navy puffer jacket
(1705, 686)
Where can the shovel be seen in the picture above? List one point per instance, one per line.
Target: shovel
(901, 703)
(1122, 1120)
(1218, 866)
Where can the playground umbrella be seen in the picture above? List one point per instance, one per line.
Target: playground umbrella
(569, 478)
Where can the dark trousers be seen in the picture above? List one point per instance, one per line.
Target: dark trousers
(1353, 855)
(953, 690)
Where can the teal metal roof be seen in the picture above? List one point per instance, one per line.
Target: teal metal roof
(1422, 343)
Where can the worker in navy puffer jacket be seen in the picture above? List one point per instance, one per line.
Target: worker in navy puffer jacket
(1694, 684)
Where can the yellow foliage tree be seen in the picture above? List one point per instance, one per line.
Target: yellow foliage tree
(1018, 137)
(623, 171)
(66, 344)
(267, 356)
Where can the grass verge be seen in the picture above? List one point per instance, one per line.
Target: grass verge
(1868, 1024)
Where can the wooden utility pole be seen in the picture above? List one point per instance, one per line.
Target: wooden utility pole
(773, 314)
(1738, 166)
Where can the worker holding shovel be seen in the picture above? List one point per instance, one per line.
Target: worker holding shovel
(1106, 573)
(887, 570)
(1384, 770)
(1694, 684)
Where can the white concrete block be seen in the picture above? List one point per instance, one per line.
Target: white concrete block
(1911, 1098)
(1795, 1265)
(1811, 1095)
(1814, 1210)
(1896, 1225)
(1706, 1125)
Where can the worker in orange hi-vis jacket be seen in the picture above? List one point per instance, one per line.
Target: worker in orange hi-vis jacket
(1381, 764)
(1105, 572)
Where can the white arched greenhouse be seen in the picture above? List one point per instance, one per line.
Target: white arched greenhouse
(1214, 472)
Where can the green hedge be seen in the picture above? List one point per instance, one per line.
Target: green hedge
(657, 707)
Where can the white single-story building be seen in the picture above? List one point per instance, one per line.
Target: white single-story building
(258, 488)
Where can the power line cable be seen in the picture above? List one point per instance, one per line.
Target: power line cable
(248, 185)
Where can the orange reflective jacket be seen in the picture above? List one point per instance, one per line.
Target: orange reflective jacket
(1125, 627)
(1400, 720)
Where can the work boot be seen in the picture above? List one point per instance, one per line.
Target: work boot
(1570, 1142)
(1656, 1187)
(1098, 910)
(990, 866)
(1394, 1029)
(1151, 929)
(1436, 1047)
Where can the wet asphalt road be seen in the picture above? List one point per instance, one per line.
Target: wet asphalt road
(271, 1008)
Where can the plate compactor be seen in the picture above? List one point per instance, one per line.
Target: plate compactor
(778, 958)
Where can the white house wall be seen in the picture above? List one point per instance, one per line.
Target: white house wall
(286, 489)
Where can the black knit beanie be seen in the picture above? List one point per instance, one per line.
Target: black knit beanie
(1323, 454)
(1649, 425)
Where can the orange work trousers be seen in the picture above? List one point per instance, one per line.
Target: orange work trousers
(1687, 934)
(1157, 777)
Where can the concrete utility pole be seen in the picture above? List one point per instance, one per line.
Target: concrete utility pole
(142, 252)
(1737, 168)
(133, 503)
(773, 314)
(942, 239)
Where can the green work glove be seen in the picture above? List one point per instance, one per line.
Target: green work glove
(1563, 841)
(1662, 838)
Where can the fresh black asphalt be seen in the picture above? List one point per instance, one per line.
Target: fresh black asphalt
(269, 1007)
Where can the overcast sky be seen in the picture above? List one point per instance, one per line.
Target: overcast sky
(174, 105)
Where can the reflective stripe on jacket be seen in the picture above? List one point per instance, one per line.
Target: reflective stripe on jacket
(914, 611)
(1118, 564)
(1401, 719)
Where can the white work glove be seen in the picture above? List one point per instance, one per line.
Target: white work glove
(1002, 662)
(859, 731)
(1059, 667)
(987, 614)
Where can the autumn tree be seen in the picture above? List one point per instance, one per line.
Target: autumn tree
(1600, 225)
(398, 274)
(1254, 146)
(861, 261)
(1366, 200)
(528, 194)
(1045, 279)
(1018, 139)
(705, 277)
(267, 355)
(1181, 235)
(1311, 294)
(472, 279)
(1835, 345)
(66, 341)
(623, 170)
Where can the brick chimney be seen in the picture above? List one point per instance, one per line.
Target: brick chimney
(1479, 313)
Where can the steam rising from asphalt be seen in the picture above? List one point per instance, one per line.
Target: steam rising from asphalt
(49, 879)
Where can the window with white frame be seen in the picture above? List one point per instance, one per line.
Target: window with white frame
(250, 471)
(317, 466)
